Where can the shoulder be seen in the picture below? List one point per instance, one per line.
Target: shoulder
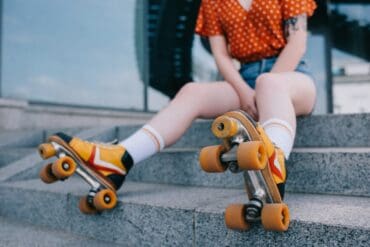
(292, 8)
(211, 7)
(211, 3)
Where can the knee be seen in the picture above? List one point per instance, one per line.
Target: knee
(270, 82)
(190, 90)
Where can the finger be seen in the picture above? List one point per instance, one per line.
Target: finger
(254, 113)
(255, 116)
(255, 108)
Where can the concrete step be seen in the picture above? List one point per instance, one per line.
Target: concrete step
(340, 171)
(314, 131)
(17, 234)
(21, 138)
(9, 155)
(18, 149)
(29, 165)
(30, 137)
(343, 171)
(169, 215)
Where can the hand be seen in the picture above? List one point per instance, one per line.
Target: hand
(247, 98)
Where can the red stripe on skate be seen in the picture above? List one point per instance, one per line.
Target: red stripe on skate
(101, 168)
(92, 156)
(273, 168)
(97, 167)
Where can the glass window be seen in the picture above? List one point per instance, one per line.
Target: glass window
(71, 52)
(350, 25)
(316, 59)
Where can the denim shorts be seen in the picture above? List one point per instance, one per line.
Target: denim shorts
(250, 71)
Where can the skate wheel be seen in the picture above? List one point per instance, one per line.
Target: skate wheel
(46, 150)
(105, 199)
(64, 167)
(252, 155)
(275, 217)
(46, 174)
(85, 206)
(209, 159)
(235, 217)
(224, 127)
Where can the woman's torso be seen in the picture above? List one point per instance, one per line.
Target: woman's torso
(255, 33)
(251, 34)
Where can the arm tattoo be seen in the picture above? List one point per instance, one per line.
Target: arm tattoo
(295, 24)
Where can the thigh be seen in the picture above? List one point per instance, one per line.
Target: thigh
(216, 98)
(302, 91)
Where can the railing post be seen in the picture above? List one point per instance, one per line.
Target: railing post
(328, 58)
(142, 47)
(1, 47)
(145, 47)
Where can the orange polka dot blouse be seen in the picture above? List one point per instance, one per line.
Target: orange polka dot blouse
(251, 34)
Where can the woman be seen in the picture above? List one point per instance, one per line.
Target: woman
(273, 84)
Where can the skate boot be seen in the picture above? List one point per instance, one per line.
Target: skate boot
(246, 148)
(103, 166)
(276, 161)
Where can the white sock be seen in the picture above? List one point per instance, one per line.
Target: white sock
(281, 134)
(143, 143)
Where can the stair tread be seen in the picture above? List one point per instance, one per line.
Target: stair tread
(15, 233)
(341, 171)
(347, 211)
(295, 150)
(8, 155)
(336, 172)
(332, 150)
(317, 130)
(20, 138)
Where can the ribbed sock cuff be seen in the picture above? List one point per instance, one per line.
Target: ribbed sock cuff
(281, 134)
(156, 136)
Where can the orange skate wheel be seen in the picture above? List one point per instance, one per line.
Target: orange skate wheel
(105, 199)
(251, 155)
(225, 127)
(209, 159)
(46, 150)
(85, 207)
(64, 167)
(46, 175)
(275, 217)
(235, 217)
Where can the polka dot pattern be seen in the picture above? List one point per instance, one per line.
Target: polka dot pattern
(253, 34)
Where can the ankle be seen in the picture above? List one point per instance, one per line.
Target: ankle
(269, 145)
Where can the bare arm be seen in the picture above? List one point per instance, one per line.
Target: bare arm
(296, 35)
(225, 64)
(231, 74)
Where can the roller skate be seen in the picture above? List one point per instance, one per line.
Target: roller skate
(102, 166)
(246, 148)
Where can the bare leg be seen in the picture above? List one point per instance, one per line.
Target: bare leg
(280, 98)
(284, 96)
(205, 100)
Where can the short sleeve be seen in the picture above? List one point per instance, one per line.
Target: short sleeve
(208, 23)
(291, 8)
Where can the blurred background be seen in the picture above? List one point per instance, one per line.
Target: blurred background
(134, 55)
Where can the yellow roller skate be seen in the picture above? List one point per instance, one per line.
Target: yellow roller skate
(246, 148)
(102, 166)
